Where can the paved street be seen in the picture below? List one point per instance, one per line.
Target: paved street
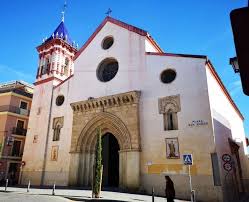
(24, 197)
(62, 195)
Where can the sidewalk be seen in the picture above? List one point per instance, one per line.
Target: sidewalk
(85, 195)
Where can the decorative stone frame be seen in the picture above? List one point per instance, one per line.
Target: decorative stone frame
(58, 123)
(169, 104)
(116, 114)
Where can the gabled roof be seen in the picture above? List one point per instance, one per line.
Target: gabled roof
(177, 55)
(61, 32)
(123, 25)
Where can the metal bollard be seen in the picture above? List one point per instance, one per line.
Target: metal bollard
(6, 185)
(153, 194)
(28, 186)
(53, 191)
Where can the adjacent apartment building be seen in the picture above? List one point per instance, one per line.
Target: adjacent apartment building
(15, 103)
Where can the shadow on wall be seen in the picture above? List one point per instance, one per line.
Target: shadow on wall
(90, 199)
(231, 181)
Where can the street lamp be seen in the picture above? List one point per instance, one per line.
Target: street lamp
(239, 21)
(234, 62)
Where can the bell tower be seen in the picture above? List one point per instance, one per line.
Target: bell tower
(56, 56)
(56, 64)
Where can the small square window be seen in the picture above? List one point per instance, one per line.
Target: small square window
(23, 105)
(20, 124)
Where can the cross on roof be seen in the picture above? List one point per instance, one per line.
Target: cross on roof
(109, 11)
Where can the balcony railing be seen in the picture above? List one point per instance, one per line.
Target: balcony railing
(19, 131)
(16, 155)
(14, 109)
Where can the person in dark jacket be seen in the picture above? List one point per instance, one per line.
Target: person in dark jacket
(170, 190)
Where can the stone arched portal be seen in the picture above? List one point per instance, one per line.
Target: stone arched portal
(116, 114)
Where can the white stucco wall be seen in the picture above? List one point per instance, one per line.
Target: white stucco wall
(191, 85)
(140, 71)
(149, 47)
(221, 104)
(58, 170)
(38, 123)
(128, 49)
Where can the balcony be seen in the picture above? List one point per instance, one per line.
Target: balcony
(17, 91)
(15, 156)
(14, 109)
(19, 131)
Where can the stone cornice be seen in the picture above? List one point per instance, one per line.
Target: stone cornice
(117, 100)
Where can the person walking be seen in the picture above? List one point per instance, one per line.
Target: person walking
(170, 190)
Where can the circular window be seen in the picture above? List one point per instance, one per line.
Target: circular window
(167, 76)
(107, 42)
(107, 69)
(60, 100)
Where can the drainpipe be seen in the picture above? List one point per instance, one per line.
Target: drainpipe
(46, 145)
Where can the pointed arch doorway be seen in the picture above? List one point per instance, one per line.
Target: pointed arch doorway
(117, 116)
(110, 160)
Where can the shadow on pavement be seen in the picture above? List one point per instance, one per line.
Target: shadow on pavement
(5, 191)
(90, 199)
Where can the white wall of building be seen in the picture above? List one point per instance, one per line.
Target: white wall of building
(138, 71)
(220, 103)
(38, 123)
(58, 170)
(198, 91)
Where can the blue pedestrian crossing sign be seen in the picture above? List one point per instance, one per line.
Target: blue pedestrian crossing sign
(187, 159)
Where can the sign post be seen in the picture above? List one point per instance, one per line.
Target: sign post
(188, 160)
(227, 162)
(190, 179)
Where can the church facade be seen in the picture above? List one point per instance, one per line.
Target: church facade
(151, 107)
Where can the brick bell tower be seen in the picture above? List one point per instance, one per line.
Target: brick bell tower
(56, 56)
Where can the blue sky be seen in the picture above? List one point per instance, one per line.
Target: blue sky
(193, 26)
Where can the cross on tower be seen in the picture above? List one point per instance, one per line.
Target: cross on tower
(63, 11)
(109, 11)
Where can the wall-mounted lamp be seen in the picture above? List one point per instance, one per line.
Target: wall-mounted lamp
(234, 62)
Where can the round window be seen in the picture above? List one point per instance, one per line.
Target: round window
(168, 75)
(107, 69)
(60, 100)
(107, 42)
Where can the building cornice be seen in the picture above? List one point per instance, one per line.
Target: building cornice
(46, 80)
(117, 100)
(64, 81)
(56, 41)
(16, 95)
(177, 55)
(15, 115)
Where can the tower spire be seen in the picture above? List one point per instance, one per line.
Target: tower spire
(63, 11)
